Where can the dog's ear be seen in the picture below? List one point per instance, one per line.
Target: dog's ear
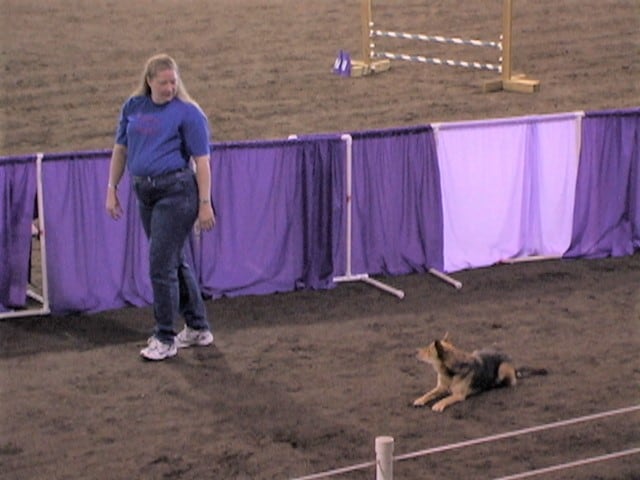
(439, 348)
(447, 337)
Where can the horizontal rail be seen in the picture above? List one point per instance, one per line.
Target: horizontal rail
(436, 38)
(574, 464)
(438, 61)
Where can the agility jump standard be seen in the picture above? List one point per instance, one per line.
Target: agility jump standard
(376, 61)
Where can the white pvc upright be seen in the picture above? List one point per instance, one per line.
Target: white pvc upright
(43, 238)
(349, 276)
(384, 458)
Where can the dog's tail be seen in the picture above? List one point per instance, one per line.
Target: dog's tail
(524, 372)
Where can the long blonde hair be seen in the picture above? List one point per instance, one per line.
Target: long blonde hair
(158, 63)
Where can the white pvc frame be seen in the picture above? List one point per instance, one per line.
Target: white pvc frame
(42, 298)
(349, 276)
(364, 277)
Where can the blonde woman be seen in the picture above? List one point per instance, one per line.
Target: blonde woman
(160, 131)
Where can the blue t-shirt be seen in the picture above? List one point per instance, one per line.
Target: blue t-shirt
(161, 138)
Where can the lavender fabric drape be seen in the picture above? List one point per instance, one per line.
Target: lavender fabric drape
(507, 188)
(17, 198)
(607, 214)
(279, 226)
(397, 211)
(94, 262)
(279, 217)
(470, 195)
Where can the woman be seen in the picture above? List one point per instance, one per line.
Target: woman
(161, 130)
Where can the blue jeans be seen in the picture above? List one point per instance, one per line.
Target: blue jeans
(169, 208)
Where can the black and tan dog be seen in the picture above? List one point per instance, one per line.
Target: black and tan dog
(461, 374)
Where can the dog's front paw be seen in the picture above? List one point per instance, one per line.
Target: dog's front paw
(419, 402)
(439, 406)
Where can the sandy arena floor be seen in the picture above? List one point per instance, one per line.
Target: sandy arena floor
(303, 382)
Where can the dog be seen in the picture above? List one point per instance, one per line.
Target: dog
(461, 374)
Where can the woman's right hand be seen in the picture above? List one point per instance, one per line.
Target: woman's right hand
(116, 167)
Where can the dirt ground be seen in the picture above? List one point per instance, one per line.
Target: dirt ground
(303, 382)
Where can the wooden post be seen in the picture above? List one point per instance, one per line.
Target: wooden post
(508, 81)
(367, 65)
(507, 15)
(366, 28)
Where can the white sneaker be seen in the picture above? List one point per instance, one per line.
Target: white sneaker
(189, 337)
(156, 350)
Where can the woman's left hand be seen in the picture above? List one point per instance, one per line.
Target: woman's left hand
(206, 217)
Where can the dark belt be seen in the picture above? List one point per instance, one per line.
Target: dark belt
(162, 176)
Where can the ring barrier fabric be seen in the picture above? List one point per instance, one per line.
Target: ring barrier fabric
(569, 183)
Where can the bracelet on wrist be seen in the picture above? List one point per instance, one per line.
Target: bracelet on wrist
(111, 185)
(204, 201)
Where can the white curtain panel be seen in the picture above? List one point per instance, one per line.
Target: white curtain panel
(508, 188)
